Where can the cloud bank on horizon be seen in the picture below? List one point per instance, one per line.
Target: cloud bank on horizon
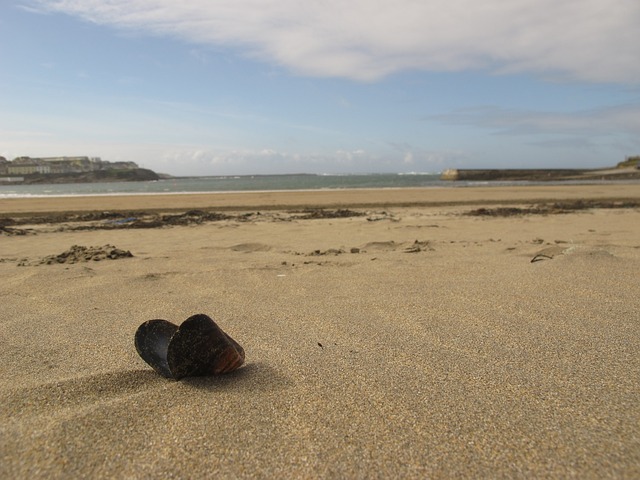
(584, 40)
(527, 79)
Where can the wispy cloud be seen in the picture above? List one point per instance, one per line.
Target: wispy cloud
(423, 157)
(587, 40)
(9, 135)
(610, 120)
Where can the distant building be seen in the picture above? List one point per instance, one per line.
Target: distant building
(26, 166)
(122, 165)
(70, 164)
(26, 169)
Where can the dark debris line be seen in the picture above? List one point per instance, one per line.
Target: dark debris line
(552, 208)
(137, 219)
(310, 214)
(80, 253)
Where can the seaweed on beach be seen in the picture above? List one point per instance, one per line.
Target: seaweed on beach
(193, 217)
(589, 204)
(552, 208)
(9, 231)
(312, 213)
(111, 220)
(505, 212)
(54, 218)
(80, 253)
(6, 228)
(107, 220)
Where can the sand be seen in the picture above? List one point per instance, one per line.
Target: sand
(413, 341)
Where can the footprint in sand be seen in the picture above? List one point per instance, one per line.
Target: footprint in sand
(250, 247)
(391, 246)
(548, 253)
(381, 246)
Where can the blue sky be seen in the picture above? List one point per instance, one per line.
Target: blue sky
(203, 87)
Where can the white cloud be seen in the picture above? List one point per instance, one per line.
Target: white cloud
(587, 40)
(235, 161)
(205, 159)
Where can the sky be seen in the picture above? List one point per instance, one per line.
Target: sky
(232, 87)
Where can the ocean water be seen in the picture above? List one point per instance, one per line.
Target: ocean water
(243, 183)
(225, 184)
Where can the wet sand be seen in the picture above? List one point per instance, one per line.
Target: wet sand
(325, 198)
(410, 341)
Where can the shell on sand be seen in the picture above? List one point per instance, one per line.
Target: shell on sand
(198, 347)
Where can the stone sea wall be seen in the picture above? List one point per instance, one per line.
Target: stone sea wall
(538, 175)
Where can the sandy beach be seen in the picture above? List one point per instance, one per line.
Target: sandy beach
(412, 333)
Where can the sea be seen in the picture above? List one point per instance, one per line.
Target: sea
(243, 183)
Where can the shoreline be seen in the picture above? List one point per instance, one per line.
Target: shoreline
(288, 199)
